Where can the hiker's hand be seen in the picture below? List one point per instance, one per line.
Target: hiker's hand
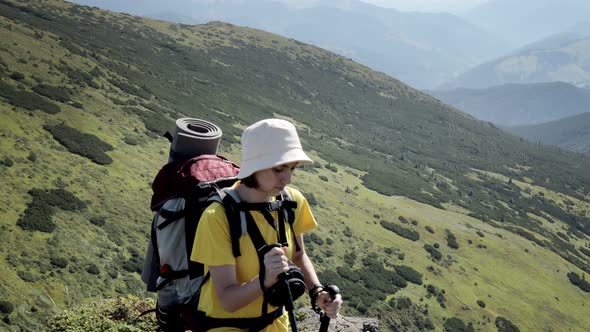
(275, 263)
(328, 305)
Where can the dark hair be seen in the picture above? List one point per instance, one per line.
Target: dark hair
(250, 181)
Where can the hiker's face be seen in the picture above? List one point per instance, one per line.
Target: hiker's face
(273, 180)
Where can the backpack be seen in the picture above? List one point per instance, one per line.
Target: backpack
(182, 191)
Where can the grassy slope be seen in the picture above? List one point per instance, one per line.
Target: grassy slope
(120, 191)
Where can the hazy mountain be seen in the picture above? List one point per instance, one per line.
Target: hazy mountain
(524, 21)
(428, 218)
(564, 57)
(571, 133)
(420, 49)
(519, 104)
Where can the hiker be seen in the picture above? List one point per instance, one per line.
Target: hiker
(237, 285)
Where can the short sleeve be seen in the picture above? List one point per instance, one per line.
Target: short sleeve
(304, 219)
(212, 244)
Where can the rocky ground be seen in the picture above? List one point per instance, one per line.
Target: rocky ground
(308, 320)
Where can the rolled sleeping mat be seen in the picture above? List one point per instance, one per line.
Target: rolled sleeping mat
(194, 137)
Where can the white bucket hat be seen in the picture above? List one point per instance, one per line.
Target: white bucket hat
(269, 143)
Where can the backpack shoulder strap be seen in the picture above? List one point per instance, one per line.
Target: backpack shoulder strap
(230, 199)
(287, 214)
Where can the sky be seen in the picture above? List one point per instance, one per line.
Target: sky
(451, 6)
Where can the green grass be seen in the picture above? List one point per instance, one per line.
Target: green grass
(392, 154)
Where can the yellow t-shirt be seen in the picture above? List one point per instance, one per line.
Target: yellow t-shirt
(212, 246)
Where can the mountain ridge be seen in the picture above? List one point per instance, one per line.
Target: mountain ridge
(570, 133)
(518, 104)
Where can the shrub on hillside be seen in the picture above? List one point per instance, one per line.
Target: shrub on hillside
(429, 229)
(6, 307)
(401, 231)
(455, 324)
(579, 281)
(452, 240)
(37, 217)
(6, 90)
(86, 145)
(92, 269)
(57, 93)
(59, 198)
(504, 325)
(117, 315)
(32, 101)
(584, 251)
(409, 274)
(434, 254)
(17, 76)
(7, 162)
(481, 303)
(39, 212)
(310, 198)
(59, 261)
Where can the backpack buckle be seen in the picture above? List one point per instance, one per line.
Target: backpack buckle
(274, 205)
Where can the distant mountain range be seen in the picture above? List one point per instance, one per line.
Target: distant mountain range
(571, 133)
(519, 104)
(523, 21)
(421, 49)
(563, 57)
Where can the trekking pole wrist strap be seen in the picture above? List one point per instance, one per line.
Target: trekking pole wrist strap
(314, 291)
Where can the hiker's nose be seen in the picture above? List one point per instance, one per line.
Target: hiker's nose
(286, 176)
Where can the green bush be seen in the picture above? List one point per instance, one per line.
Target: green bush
(6, 307)
(452, 240)
(32, 101)
(37, 217)
(434, 254)
(59, 198)
(113, 315)
(17, 76)
(310, 199)
(57, 93)
(92, 269)
(409, 274)
(455, 324)
(59, 261)
(504, 325)
(323, 178)
(581, 282)
(429, 229)
(83, 144)
(98, 221)
(7, 162)
(401, 231)
(6, 90)
(481, 303)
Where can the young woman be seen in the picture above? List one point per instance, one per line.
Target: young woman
(270, 152)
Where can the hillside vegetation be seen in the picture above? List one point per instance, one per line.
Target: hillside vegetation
(428, 217)
(570, 133)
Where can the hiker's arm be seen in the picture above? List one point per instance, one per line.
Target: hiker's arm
(233, 295)
(331, 306)
(301, 259)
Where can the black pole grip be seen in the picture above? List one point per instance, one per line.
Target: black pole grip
(324, 319)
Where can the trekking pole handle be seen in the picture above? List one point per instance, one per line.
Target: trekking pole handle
(332, 290)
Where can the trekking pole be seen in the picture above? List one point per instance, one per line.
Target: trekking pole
(289, 304)
(324, 319)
